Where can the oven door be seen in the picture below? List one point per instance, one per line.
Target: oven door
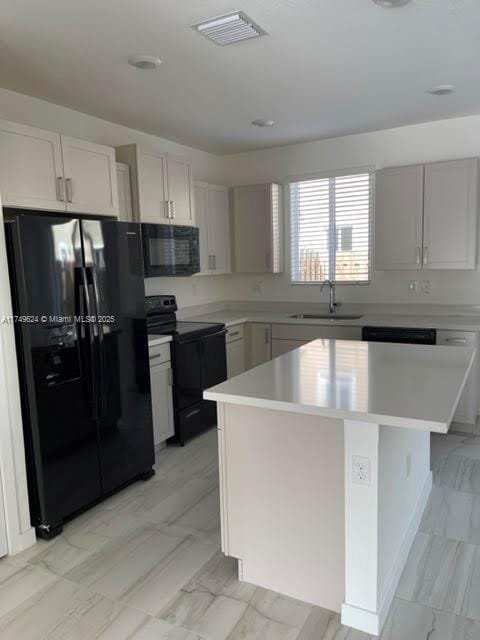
(170, 250)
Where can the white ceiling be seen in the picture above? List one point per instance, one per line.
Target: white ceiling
(327, 67)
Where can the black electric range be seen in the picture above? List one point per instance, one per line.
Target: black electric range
(198, 362)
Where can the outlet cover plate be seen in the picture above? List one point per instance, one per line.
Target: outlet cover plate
(361, 470)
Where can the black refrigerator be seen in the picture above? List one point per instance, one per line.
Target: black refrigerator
(82, 350)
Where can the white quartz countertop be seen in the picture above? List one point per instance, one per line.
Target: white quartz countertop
(412, 386)
(155, 340)
(452, 322)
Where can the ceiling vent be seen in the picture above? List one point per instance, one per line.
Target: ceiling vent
(230, 28)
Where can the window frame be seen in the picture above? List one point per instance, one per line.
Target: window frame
(321, 176)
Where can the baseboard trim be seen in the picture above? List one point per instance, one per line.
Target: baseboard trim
(372, 621)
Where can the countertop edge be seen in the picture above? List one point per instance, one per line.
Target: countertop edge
(289, 407)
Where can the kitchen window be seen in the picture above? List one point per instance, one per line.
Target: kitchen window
(331, 228)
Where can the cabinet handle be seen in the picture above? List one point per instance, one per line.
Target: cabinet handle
(170, 377)
(60, 189)
(155, 356)
(456, 340)
(425, 255)
(417, 256)
(233, 333)
(267, 335)
(69, 187)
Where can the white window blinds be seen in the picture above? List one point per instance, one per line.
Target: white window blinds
(330, 228)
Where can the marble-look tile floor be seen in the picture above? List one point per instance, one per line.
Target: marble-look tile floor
(146, 565)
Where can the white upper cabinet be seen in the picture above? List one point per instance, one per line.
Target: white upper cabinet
(258, 228)
(398, 218)
(162, 186)
(152, 188)
(212, 215)
(43, 170)
(31, 168)
(201, 217)
(124, 193)
(426, 216)
(180, 190)
(219, 229)
(90, 177)
(450, 214)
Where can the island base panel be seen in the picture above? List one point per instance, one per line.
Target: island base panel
(382, 515)
(282, 501)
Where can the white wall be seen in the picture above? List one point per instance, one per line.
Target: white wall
(206, 166)
(446, 139)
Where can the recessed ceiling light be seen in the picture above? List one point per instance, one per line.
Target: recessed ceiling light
(442, 90)
(229, 28)
(263, 123)
(391, 4)
(146, 63)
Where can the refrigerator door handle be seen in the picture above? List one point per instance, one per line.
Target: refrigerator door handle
(100, 336)
(86, 305)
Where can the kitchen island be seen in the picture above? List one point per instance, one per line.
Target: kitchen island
(325, 467)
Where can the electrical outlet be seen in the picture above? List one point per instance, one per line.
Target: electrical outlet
(361, 470)
(413, 286)
(408, 464)
(426, 286)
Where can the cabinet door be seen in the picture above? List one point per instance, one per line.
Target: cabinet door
(219, 229)
(450, 215)
(284, 346)
(91, 177)
(235, 358)
(251, 214)
(180, 190)
(124, 193)
(152, 188)
(162, 403)
(201, 217)
(31, 169)
(259, 343)
(467, 408)
(398, 218)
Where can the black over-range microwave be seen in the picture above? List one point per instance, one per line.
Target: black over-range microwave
(170, 250)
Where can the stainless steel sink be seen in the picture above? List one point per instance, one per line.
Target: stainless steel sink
(325, 316)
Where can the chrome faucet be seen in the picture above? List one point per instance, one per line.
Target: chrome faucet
(332, 305)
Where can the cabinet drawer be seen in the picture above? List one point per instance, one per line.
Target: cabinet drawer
(457, 338)
(159, 353)
(237, 332)
(311, 332)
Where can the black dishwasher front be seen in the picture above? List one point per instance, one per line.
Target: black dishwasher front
(405, 335)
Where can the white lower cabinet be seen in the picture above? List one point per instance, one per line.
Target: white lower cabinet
(283, 346)
(466, 414)
(305, 333)
(161, 389)
(235, 345)
(259, 344)
(286, 337)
